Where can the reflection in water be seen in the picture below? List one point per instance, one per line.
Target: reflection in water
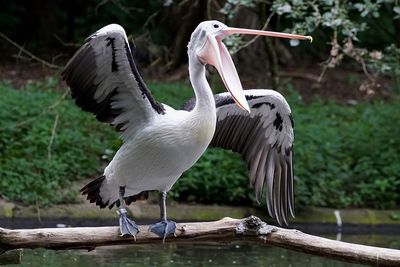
(176, 255)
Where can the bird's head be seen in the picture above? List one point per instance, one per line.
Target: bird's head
(206, 44)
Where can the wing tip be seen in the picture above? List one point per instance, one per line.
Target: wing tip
(113, 27)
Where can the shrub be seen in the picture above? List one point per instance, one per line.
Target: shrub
(34, 169)
(347, 155)
(344, 155)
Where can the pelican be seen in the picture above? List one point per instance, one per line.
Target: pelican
(160, 143)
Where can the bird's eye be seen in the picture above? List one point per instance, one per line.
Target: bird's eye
(216, 26)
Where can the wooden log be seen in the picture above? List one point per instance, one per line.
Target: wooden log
(11, 257)
(225, 230)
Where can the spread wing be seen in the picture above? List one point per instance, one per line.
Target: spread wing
(264, 138)
(105, 81)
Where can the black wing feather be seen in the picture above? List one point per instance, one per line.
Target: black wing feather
(101, 70)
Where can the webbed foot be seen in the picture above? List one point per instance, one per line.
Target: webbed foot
(127, 226)
(163, 228)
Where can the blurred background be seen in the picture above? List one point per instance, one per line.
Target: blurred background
(343, 89)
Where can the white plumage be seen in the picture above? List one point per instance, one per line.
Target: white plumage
(155, 157)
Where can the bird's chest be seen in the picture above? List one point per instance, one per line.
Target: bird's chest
(181, 141)
(193, 137)
(201, 133)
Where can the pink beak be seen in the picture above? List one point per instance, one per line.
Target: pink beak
(215, 53)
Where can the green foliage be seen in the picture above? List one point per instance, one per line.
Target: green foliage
(218, 177)
(34, 169)
(172, 94)
(345, 18)
(344, 155)
(347, 155)
(231, 7)
(389, 65)
(307, 16)
(362, 31)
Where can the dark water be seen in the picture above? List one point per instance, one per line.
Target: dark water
(176, 255)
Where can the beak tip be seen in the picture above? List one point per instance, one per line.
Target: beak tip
(247, 108)
(310, 38)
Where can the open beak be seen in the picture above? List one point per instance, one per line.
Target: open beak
(215, 53)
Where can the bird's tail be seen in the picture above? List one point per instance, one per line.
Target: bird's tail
(92, 190)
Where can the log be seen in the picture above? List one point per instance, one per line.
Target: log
(225, 230)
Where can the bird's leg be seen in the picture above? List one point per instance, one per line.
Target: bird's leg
(164, 227)
(126, 226)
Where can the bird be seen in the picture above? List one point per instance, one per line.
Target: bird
(160, 143)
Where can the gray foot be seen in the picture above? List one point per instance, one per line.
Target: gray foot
(127, 226)
(163, 228)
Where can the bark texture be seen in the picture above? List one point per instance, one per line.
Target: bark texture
(225, 230)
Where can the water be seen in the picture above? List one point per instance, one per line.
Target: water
(176, 255)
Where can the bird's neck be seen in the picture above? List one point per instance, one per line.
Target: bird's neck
(204, 97)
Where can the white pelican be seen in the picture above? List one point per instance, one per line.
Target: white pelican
(160, 143)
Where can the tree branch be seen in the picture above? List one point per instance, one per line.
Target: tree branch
(66, 43)
(22, 49)
(53, 134)
(225, 230)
